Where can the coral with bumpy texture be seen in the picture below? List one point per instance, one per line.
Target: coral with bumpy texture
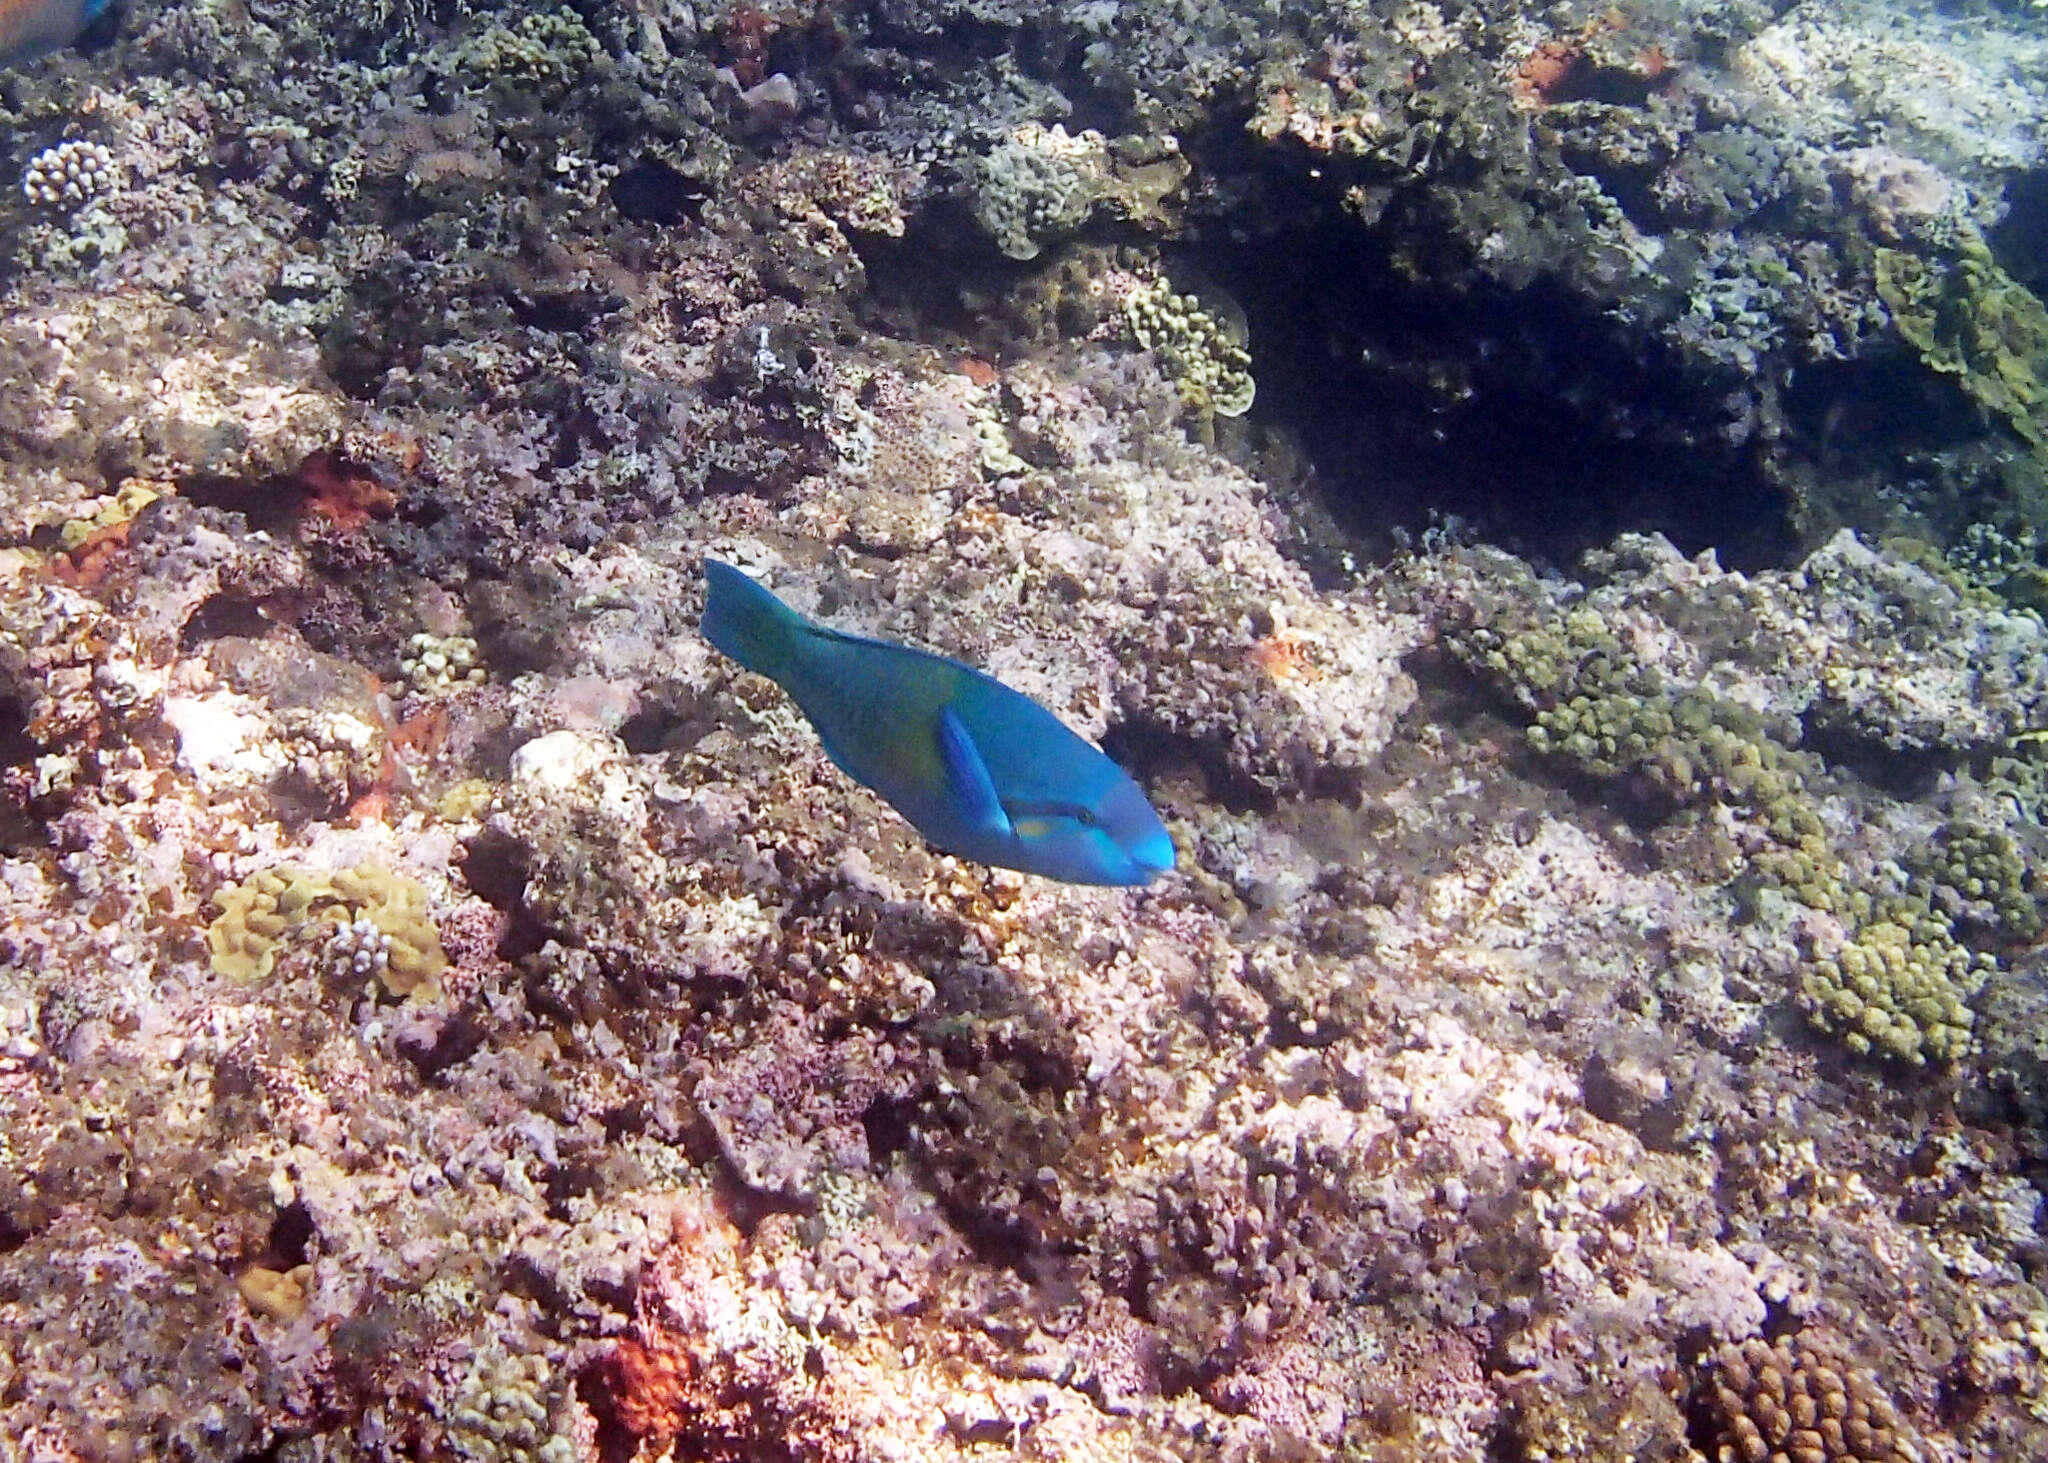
(68, 175)
(1039, 186)
(1797, 1401)
(377, 923)
(1900, 986)
(501, 1412)
(438, 664)
(1211, 367)
(546, 47)
(1982, 875)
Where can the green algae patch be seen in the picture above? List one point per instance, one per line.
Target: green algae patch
(367, 921)
(1972, 320)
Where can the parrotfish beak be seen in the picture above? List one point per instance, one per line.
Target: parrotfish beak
(1153, 853)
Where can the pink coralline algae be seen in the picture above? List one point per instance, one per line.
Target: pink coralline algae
(787, 1106)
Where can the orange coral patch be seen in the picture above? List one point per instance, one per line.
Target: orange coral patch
(1284, 658)
(86, 565)
(345, 495)
(1542, 78)
(426, 733)
(648, 1390)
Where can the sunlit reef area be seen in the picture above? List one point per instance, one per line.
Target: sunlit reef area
(1547, 501)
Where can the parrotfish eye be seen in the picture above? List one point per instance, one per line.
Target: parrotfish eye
(1040, 816)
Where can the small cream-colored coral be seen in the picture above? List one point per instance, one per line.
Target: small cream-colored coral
(69, 175)
(501, 1411)
(437, 664)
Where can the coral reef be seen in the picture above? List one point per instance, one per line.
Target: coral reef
(1595, 682)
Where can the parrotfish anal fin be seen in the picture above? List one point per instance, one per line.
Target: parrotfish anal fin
(968, 775)
(831, 751)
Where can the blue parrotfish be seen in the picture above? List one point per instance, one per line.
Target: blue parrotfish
(982, 771)
(32, 28)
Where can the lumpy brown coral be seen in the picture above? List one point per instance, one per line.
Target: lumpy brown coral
(1797, 1400)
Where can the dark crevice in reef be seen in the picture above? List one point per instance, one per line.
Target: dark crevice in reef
(2021, 238)
(1839, 411)
(1418, 391)
(1525, 415)
(920, 285)
(290, 1241)
(1902, 774)
(220, 616)
(21, 829)
(497, 871)
(1521, 414)
(1155, 754)
(268, 504)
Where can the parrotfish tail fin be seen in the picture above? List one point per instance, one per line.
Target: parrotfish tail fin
(746, 622)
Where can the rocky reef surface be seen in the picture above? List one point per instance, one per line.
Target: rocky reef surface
(1549, 499)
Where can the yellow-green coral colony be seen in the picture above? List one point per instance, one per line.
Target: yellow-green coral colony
(368, 923)
(1212, 369)
(1899, 987)
(1984, 876)
(1612, 717)
(1900, 984)
(551, 47)
(1971, 320)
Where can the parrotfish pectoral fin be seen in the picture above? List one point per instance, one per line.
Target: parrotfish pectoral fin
(967, 775)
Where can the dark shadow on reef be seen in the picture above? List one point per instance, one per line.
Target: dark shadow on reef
(1520, 414)
(1524, 416)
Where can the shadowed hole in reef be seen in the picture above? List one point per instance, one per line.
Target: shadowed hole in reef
(20, 827)
(497, 870)
(289, 1243)
(1525, 415)
(2020, 239)
(1521, 413)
